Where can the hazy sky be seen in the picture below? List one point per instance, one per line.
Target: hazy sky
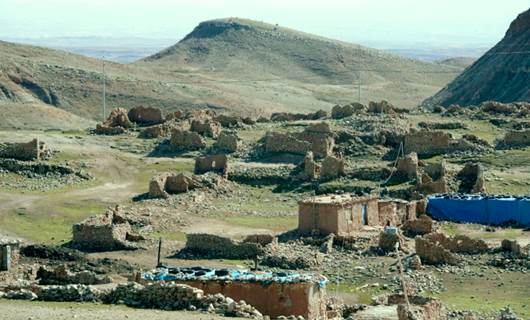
(393, 22)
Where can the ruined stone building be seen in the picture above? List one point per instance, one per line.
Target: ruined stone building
(337, 214)
(33, 150)
(9, 254)
(214, 163)
(317, 138)
(106, 232)
(395, 212)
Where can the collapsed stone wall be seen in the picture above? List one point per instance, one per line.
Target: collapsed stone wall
(145, 115)
(286, 116)
(431, 143)
(515, 138)
(9, 254)
(227, 142)
(310, 169)
(206, 127)
(419, 308)
(437, 248)
(332, 167)
(214, 163)
(340, 112)
(316, 138)
(422, 225)
(33, 150)
(217, 247)
(62, 275)
(186, 140)
(106, 232)
(116, 123)
(471, 178)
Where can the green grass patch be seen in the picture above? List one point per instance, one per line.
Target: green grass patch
(53, 228)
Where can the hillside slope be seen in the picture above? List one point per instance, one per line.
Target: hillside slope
(501, 74)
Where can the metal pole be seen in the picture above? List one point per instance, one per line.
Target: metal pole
(159, 249)
(104, 91)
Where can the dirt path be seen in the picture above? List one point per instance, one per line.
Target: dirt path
(24, 310)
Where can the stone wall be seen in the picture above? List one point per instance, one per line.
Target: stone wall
(33, 150)
(212, 246)
(145, 115)
(427, 143)
(105, 232)
(316, 138)
(285, 143)
(215, 163)
(206, 127)
(186, 140)
(227, 142)
(519, 138)
(437, 248)
(9, 254)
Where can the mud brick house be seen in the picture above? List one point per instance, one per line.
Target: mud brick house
(338, 214)
(272, 294)
(9, 254)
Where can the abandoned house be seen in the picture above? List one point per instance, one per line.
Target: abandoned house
(33, 150)
(338, 214)
(344, 214)
(215, 163)
(273, 294)
(9, 254)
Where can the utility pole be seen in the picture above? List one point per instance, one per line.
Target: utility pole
(104, 93)
(359, 73)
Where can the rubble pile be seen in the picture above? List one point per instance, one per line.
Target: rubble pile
(61, 275)
(287, 117)
(292, 255)
(116, 123)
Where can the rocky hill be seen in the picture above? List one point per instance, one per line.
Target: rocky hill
(501, 74)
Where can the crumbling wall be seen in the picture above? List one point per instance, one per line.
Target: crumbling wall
(332, 167)
(427, 143)
(433, 179)
(116, 123)
(339, 112)
(161, 186)
(33, 150)
(145, 115)
(407, 167)
(381, 107)
(62, 275)
(216, 163)
(105, 232)
(229, 121)
(285, 143)
(9, 254)
(206, 127)
(227, 142)
(471, 178)
(437, 248)
(311, 169)
(516, 138)
(186, 140)
(217, 247)
(422, 225)
(419, 308)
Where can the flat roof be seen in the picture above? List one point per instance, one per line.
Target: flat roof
(240, 275)
(336, 199)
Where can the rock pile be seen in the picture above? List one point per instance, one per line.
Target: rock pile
(116, 123)
(217, 247)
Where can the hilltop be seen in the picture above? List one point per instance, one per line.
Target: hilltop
(501, 74)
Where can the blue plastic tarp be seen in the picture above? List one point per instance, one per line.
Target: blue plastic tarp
(480, 209)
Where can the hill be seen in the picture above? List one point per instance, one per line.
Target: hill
(231, 65)
(501, 74)
(251, 50)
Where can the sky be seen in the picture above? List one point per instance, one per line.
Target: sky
(392, 23)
